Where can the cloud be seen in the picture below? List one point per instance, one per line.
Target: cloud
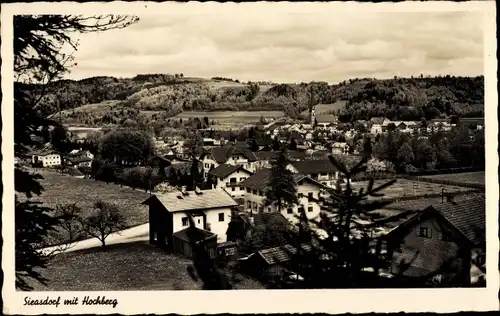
(288, 47)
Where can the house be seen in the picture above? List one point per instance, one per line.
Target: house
(350, 133)
(169, 214)
(182, 242)
(228, 177)
(276, 262)
(376, 129)
(264, 158)
(321, 170)
(79, 161)
(46, 159)
(443, 242)
(308, 194)
(340, 148)
(377, 120)
(229, 154)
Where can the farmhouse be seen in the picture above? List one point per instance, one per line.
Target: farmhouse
(169, 214)
(322, 170)
(232, 155)
(442, 241)
(229, 177)
(376, 129)
(46, 159)
(340, 148)
(277, 261)
(308, 193)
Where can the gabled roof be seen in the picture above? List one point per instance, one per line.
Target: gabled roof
(270, 155)
(222, 154)
(468, 216)
(195, 233)
(314, 166)
(224, 170)
(79, 158)
(281, 254)
(208, 199)
(263, 218)
(377, 120)
(259, 180)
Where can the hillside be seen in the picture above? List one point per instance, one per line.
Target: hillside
(108, 100)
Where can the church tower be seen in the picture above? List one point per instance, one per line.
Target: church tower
(313, 115)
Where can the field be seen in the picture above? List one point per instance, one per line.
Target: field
(231, 117)
(61, 189)
(467, 177)
(325, 108)
(136, 266)
(408, 188)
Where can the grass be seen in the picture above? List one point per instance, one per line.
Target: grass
(62, 189)
(327, 107)
(406, 188)
(467, 177)
(142, 267)
(231, 116)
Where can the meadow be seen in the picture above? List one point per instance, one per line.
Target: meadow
(64, 189)
(467, 177)
(137, 266)
(231, 116)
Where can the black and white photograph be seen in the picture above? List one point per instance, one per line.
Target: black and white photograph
(185, 147)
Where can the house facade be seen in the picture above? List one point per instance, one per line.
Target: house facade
(169, 214)
(229, 178)
(49, 159)
(308, 194)
(320, 170)
(439, 243)
(340, 148)
(232, 155)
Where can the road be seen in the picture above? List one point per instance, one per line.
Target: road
(136, 233)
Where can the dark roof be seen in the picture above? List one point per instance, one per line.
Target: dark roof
(281, 254)
(270, 155)
(222, 154)
(264, 218)
(223, 170)
(377, 120)
(468, 216)
(193, 232)
(313, 166)
(260, 179)
(79, 158)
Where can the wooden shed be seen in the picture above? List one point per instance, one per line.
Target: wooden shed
(182, 242)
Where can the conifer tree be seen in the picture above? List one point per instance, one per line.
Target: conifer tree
(281, 189)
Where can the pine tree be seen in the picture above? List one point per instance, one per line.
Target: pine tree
(281, 190)
(338, 259)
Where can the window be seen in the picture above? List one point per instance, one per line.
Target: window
(301, 209)
(232, 180)
(248, 190)
(269, 210)
(249, 204)
(310, 195)
(300, 182)
(301, 195)
(185, 221)
(424, 232)
(241, 189)
(221, 217)
(289, 210)
(260, 193)
(233, 189)
(254, 192)
(310, 209)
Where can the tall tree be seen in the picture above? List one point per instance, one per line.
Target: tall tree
(38, 62)
(281, 189)
(104, 220)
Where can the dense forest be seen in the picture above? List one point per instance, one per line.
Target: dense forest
(397, 98)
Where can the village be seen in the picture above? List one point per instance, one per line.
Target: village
(221, 196)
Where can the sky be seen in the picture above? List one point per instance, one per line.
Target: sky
(281, 46)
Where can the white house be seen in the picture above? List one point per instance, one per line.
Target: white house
(46, 159)
(308, 194)
(376, 129)
(320, 170)
(168, 213)
(340, 148)
(229, 178)
(231, 155)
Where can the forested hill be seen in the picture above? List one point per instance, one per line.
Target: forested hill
(398, 98)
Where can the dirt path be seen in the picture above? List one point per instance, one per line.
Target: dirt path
(132, 234)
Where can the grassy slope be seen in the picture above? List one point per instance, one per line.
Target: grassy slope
(142, 267)
(61, 189)
(468, 177)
